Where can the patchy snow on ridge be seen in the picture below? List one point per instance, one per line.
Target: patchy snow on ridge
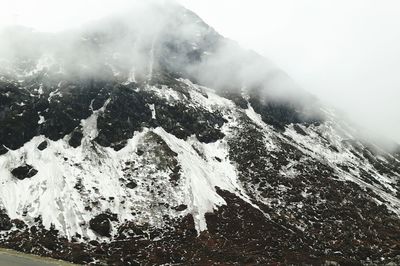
(89, 125)
(75, 184)
(53, 195)
(205, 167)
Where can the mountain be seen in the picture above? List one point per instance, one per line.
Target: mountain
(148, 138)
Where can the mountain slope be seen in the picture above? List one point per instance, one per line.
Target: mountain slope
(131, 144)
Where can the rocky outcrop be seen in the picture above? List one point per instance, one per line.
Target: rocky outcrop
(23, 172)
(5, 222)
(101, 224)
(42, 146)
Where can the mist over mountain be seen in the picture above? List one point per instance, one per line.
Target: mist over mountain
(146, 137)
(141, 40)
(345, 52)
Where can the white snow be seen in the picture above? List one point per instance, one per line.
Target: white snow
(100, 172)
(203, 173)
(52, 193)
(212, 102)
(54, 93)
(40, 90)
(268, 132)
(165, 92)
(89, 125)
(153, 111)
(41, 120)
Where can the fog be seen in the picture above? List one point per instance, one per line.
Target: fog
(142, 39)
(345, 52)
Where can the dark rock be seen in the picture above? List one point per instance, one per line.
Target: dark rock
(119, 145)
(280, 114)
(234, 96)
(23, 172)
(18, 123)
(126, 113)
(218, 159)
(333, 148)
(101, 224)
(180, 208)
(42, 145)
(76, 138)
(3, 150)
(19, 224)
(94, 243)
(184, 121)
(299, 130)
(5, 222)
(131, 185)
(79, 185)
(175, 175)
(64, 114)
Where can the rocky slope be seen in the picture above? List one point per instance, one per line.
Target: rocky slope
(167, 153)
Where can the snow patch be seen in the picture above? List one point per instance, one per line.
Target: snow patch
(153, 111)
(89, 125)
(41, 120)
(203, 173)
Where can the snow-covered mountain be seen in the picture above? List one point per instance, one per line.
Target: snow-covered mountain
(148, 138)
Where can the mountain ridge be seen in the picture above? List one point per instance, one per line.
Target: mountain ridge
(183, 153)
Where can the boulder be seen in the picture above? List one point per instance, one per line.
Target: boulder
(23, 172)
(42, 146)
(5, 222)
(101, 224)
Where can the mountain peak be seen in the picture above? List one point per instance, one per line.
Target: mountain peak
(148, 138)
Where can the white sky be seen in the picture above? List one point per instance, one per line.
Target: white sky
(347, 52)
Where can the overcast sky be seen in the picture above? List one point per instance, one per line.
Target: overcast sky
(347, 52)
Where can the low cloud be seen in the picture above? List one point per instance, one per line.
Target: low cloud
(344, 52)
(141, 40)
